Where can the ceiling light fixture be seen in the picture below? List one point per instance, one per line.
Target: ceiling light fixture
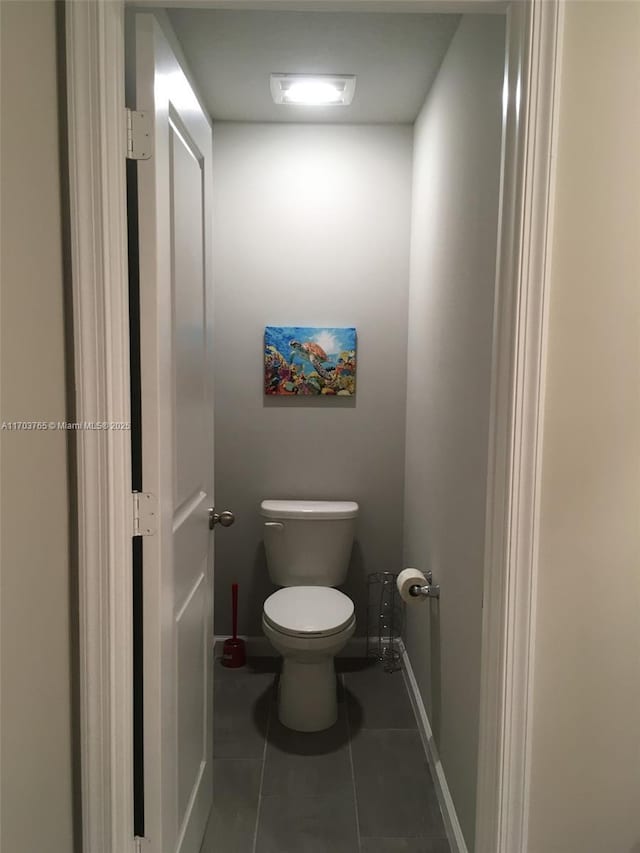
(313, 90)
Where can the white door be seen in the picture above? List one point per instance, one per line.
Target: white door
(174, 216)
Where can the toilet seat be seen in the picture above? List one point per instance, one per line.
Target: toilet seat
(308, 611)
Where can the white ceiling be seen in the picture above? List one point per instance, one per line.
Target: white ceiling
(232, 54)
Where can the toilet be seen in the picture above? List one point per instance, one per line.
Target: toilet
(308, 545)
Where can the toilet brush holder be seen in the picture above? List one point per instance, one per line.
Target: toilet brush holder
(384, 620)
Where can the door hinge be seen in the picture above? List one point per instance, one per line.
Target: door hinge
(139, 140)
(145, 514)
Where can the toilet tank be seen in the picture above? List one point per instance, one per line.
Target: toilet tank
(308, 543)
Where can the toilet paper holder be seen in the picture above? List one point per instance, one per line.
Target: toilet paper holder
(429, 590)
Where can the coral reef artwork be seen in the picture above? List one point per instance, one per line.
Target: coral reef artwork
(303, 360)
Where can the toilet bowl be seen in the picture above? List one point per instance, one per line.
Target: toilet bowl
(308, 544)
(308, 626)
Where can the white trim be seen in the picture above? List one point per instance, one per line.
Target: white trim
(260, 647)
(97, 136)
(445, 800)
(510, 589)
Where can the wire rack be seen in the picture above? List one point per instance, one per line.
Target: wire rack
(384, 620)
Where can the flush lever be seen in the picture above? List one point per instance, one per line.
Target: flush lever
(225, 519)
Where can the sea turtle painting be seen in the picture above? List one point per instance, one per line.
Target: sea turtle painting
(302, 360)
(314, 354)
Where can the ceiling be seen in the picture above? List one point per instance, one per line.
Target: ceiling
(232, 54)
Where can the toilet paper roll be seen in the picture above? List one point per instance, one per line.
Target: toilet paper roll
(405, 580)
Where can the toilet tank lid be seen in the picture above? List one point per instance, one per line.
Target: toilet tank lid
(309, 510)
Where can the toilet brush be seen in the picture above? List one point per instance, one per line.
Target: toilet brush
(233, 650)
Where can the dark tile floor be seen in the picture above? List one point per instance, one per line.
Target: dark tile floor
(362, 786)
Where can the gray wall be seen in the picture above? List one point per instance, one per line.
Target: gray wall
(311, 228)
(585, 785)
(453, 249)
(35, 724)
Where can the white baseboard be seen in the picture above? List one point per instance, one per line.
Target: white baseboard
(260, 647)
(257, 647)
(450, 817)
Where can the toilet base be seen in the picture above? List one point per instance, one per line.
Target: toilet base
(307, 691)
(307, 694)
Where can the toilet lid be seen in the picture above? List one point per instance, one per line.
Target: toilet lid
(305, 610)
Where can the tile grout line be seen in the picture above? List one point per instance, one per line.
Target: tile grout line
(264, 761)
(353, 775)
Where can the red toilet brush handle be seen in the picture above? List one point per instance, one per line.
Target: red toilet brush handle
(234, 606)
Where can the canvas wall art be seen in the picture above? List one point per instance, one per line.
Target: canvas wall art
(303, 360)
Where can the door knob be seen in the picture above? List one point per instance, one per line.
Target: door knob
(225, 518)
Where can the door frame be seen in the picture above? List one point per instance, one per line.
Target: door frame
(96, 129)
